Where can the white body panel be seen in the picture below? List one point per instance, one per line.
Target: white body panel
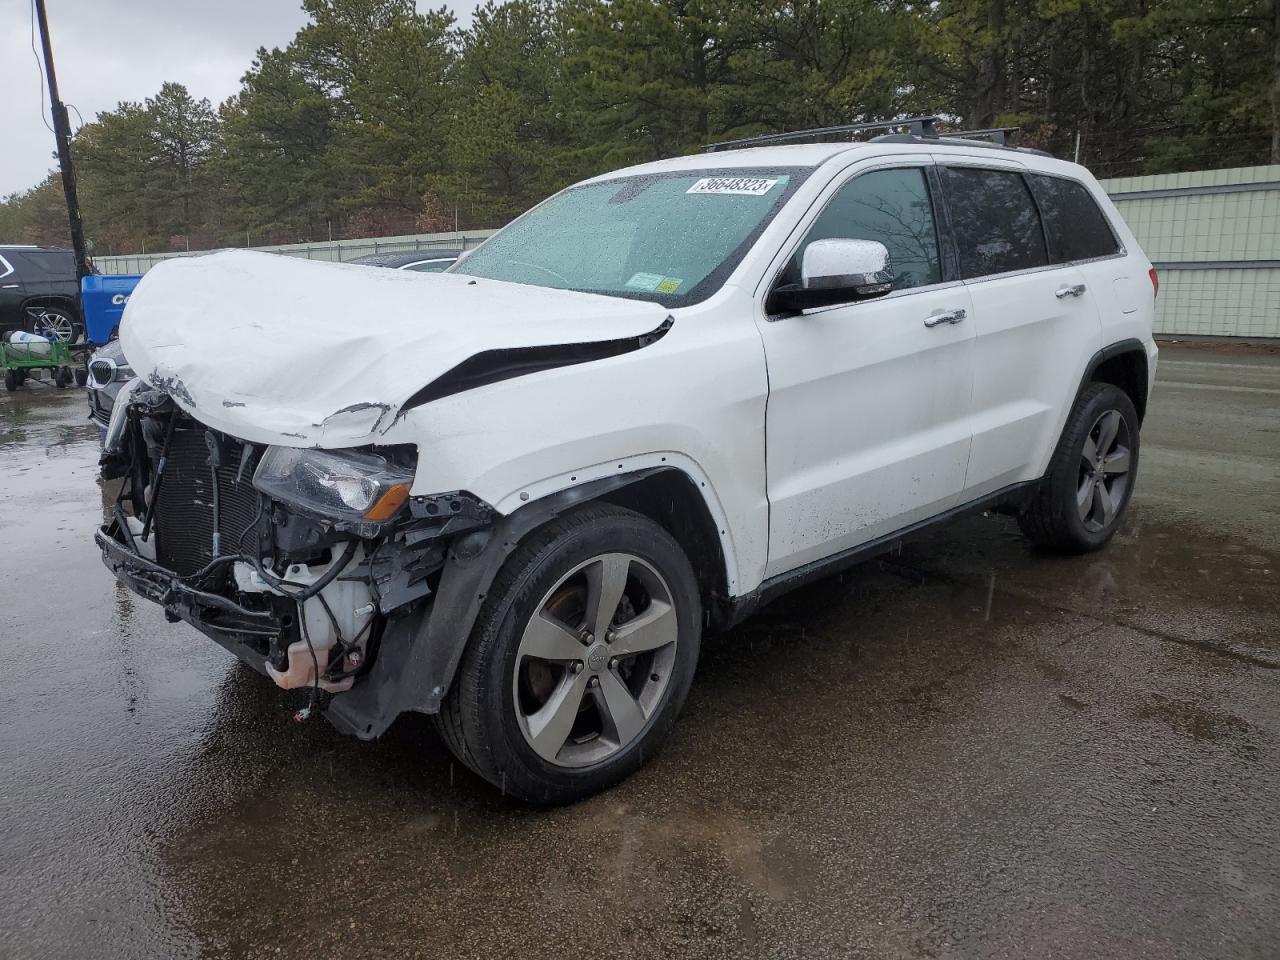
(1031, 348)
(873, 421)
(299, 353)
(868, 427)
(668, 404)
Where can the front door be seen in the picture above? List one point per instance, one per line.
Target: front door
(866, 424)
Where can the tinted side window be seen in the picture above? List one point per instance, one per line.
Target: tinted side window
(1077, 229)
(53, 264)
(891, 206)
(996, 224)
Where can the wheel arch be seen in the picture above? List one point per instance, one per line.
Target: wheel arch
(671, 498)
(1123, 364)
(61, 301)
(416, 671)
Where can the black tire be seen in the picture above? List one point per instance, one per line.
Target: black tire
(11, 380)
(72, 331)
(82, 376)
(1053, 518)
(62, 378)
(478, 719)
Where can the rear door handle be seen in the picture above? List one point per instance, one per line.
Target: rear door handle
(944, 316)
(1074, 290)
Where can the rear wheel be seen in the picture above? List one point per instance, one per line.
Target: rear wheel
(11, 380)
(581, 659)
(1081, 501)
(55, 323)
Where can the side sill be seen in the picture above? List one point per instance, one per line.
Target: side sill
(743, 607)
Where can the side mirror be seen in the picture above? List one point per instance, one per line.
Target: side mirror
(837, 271)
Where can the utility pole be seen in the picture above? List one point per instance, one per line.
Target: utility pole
(62, 133)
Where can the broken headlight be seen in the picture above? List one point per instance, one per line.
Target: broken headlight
(343, 485)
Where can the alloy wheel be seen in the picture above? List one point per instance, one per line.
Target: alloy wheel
(1104, 471)
(595, 660)
(52, 324)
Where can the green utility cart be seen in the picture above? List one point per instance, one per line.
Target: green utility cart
(17, 360)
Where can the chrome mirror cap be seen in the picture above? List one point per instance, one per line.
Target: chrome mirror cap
(861, 266)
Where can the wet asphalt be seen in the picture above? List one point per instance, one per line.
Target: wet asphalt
(964, 749)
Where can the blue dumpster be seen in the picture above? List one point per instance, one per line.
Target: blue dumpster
(102, 300)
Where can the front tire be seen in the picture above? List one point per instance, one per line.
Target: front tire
(1080, 503)
(581, 658)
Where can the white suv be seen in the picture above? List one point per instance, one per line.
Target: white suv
(516, 494)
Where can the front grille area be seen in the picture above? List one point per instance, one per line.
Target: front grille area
(102, 371)
(184, 507)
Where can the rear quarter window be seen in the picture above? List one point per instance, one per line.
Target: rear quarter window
(995, 221)
(1076, 227)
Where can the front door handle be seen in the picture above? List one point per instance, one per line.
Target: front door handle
(944, 316)
(1074, 290)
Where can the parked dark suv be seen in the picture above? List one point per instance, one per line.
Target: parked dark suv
(39, 291)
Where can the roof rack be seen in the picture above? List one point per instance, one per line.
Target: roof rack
(919, 127)
(998, 135)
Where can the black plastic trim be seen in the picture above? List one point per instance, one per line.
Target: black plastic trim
(1116, 349)
(420, 654)
(492, 366)
(776, 586)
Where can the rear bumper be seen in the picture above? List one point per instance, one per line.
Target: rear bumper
(240, 630)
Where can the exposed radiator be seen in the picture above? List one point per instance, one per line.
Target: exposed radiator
(184, 508)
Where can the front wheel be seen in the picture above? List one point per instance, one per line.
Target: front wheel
(1081, 500)
(581, 658)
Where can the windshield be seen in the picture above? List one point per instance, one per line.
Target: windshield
(671, 238)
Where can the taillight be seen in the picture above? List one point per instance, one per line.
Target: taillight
(1155, 281)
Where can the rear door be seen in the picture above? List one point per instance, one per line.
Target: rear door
(866, 424)
(1035, 321)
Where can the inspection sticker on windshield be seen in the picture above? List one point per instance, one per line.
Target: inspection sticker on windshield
(654, 282)
(645, 281)
(738, 186)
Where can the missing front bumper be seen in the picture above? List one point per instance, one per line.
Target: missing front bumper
(246, 633)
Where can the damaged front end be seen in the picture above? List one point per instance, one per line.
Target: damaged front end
(310, 565)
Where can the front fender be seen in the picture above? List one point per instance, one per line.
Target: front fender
(419, 654)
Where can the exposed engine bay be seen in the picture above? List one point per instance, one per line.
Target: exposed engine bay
(300, 561)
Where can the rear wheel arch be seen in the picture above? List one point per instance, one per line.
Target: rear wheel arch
(1122, 365)
(57, 301)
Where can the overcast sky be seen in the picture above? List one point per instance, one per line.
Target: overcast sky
(106, 51)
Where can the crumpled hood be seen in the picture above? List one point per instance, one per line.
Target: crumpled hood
(275, 349)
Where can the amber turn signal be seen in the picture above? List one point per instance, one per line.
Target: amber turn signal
(389, 503)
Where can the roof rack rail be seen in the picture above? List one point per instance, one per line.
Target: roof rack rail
(919, 127)
(1000, 136)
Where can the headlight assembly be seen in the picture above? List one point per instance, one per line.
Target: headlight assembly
(343, 485)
